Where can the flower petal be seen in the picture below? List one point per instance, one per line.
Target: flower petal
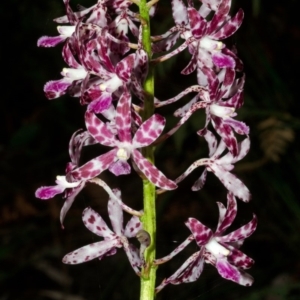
(197, 23)
(132, 227)
(95, 166)
(152, 173)
(179, 12)
(99, 130)
(115, 213)
(90, 252)
(231, 182)
(71, 195)
(239, 259)
(56, 88)
(149, 131)
(133, 257)
(239, 234)
(226, 219)
(123, 117)
(50, 41)
(120, 167)
(201, 233)
(48, 192)
(94, 223)
(227, 271)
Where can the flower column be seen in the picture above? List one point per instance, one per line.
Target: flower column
(149, 218)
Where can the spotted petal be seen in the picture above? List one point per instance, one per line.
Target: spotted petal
(226, 217)
(149, 131)
(230, 272)
(239, 234)
(152, 173)
(99, 130)
(90, 252)
(115, 213)
(201, 233)
(94, 222)
(95, 166)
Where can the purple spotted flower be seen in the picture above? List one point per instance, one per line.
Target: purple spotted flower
(65, 31)
(203, 38)
(124, 146)
(71, 186)
(217, 249)
(112, 239)
(220, 101)
(221, 167)
(65, 184)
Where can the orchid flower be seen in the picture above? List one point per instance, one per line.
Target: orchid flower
(112, 239)
(203, 38)
(215, 248)
(124, 147)
(221, 167)
(220, 102)
(65, 183)
(65, 31)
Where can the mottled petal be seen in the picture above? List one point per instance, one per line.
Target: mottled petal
(56, 88)
(149, 131)
(132, 227)
(223, 61)
(71, 195)
(230, 27)
(180, 14)
(175, 251)
(239, 234)
(152, 173)
(231, 182)
(133, 256)
(201, 233)
(94, 223)
(124, 67)
(199, 183)
(239, 259)
(120, 167)
(99, 130)
(192, 65)
(238, 126)
(50, 41)
(101, 104)
(197, 23)
(115, 213)
(95, 166)
(229, 272)
(226, 218)
(226, 133)
(123, 117)
(48, 192)
(90, 252)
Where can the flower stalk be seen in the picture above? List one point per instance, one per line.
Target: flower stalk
(148, 276)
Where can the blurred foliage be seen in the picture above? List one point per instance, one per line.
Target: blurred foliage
(33, 151)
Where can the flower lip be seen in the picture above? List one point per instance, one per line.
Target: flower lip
(111, 84)
(222, 111)
(217, 249)
(62, 181)
(122, 154)
(210, 44)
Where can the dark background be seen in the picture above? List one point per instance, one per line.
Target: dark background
(35, 134)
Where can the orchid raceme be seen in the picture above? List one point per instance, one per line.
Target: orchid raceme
(109, 66)
(220, 251)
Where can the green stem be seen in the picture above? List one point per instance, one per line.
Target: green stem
(148, 275)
